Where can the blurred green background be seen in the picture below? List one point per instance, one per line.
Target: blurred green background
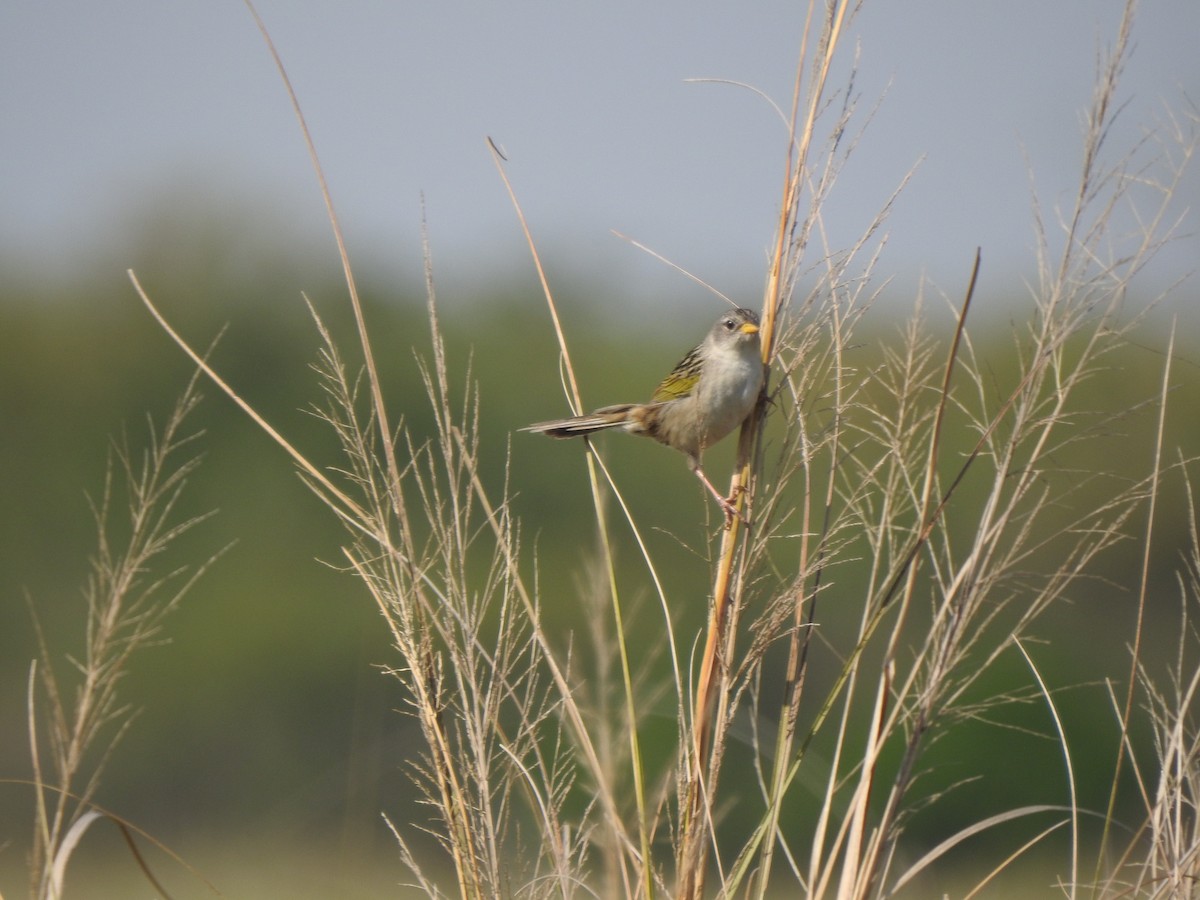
(268, 742)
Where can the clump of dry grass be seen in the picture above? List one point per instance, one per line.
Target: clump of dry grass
(76, 720)
(1160, 856)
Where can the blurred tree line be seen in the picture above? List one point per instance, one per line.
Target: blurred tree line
(266, 717)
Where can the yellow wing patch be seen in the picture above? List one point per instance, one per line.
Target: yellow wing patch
(682, 380)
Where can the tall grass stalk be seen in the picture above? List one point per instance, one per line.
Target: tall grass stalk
(1162, 857)
(76, 721)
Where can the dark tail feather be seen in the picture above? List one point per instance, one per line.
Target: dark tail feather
(608, 417)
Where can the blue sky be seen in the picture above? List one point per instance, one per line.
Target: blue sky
(109, 106)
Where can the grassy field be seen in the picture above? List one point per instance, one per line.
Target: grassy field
(945, 647)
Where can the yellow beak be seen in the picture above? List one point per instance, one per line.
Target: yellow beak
(749, 328)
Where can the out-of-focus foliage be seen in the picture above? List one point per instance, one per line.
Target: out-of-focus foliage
(266, 714)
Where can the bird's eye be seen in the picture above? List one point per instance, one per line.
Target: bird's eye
(729, 324)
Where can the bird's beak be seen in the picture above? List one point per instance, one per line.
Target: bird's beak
(749, 328)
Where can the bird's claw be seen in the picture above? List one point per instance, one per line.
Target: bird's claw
(731, 511)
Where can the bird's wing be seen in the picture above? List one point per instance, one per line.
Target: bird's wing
(682, 380)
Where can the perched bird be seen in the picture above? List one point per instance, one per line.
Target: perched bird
(706, 396)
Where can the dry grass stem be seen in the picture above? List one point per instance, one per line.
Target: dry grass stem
(75, 723)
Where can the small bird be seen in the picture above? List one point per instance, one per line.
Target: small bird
(706, 396)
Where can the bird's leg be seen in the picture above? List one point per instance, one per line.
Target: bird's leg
(726, 503)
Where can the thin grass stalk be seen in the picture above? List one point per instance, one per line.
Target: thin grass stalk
(659, 590)
(373, 380)
(363, 522)
(697, 826)
(1139, 625)
(912, 382)
(454, 800)
(125, 612)
(406, 554)
(371, 523)
(933, 458)
(786, 258)
(852, 885)
(459, 718)
(763, 831)
(810, 582)
(1177, 761)
(470, 879)
(895, 579)
(1171, 867)
(45, 838)
(696, 818)
(645, 873)
(1008, 861)
(346, 509)
(1146, 791)
(851, 881)
(1058, 322)
(1068, 765)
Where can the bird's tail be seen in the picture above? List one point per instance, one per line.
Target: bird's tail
(608, 417)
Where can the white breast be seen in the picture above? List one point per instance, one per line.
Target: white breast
(728, 391)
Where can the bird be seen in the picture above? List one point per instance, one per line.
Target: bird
(707, 395)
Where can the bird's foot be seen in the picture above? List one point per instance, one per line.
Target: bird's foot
(726, 503)
(731, 511)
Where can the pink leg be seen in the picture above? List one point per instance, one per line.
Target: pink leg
(726, 503)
